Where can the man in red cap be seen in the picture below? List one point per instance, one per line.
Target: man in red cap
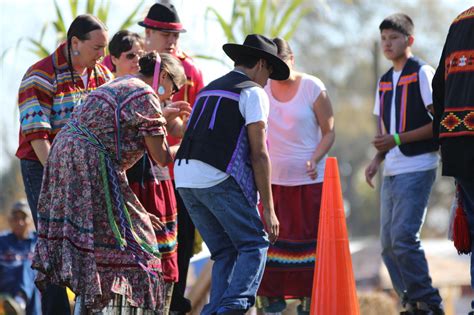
(162, 30)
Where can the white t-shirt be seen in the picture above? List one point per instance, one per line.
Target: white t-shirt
(84, 79)
(254, 107)
(294, 134)
(395, 161)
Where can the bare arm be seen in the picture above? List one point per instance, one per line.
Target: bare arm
(156, 146)
(41, 148)
(373, 167)
(261, 168)
(176, 127)
(324, 115)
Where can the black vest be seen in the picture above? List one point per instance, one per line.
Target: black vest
(453, 98)
(216, 132)
(410, 111)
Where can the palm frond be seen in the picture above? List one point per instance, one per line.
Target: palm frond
(294, 26)
(90, 6)
(287, 14)
(227, 28)
(59, 23)
(73, 6)
(206, 57)
(262, 21)
(39, 49)
(132, 18)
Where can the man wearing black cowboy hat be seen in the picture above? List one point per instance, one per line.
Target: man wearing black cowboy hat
(222, 163)
(162, 30)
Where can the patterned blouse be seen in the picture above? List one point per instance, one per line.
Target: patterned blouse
(47, 97)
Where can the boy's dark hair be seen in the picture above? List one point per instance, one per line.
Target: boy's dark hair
(399, 22)
(246, 61)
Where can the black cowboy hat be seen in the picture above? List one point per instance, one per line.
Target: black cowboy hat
(263, 47)
(163, 17)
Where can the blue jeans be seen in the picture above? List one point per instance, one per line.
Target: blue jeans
(404, 200)
(235, 236)
(467, 188)
(32, 173)
(54, 300)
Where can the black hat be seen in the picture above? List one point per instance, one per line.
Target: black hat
(263, 47)
(163, 17)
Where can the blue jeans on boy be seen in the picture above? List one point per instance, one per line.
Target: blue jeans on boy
(467, 188)
(235, 236)
(54, 300)
(404, 200)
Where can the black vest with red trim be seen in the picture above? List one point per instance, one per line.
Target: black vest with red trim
(216, 133)
(453, 98)
(410, 110)
(458, 116)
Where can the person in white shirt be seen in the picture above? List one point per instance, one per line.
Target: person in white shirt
(300, 134)
(405, 140)
(222, 163)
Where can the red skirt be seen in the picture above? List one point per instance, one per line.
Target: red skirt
(290, 261)
(160, 201)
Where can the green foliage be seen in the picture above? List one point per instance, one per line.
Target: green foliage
(60, 25)
(268, 17)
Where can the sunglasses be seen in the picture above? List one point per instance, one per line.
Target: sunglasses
(175, 87)
(132, 55)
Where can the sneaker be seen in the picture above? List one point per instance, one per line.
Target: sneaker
(408, 309)
(16, 306)
(425, 309)
(181, 306)
(276, 305)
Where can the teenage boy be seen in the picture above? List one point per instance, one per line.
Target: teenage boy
(453, 102)
(221, 164)
(403, 105)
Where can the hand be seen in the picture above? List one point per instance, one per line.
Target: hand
(177, 109)
(157, 224)
(384, 143)
(371, 170)
(272, 225)
(311, 169)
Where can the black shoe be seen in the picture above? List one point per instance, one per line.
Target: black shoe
(425, 309)
(409, 309)
(233, 312)
(181, 306)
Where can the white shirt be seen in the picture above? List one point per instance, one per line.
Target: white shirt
(294, 134)
(254, 107)
(395, 161)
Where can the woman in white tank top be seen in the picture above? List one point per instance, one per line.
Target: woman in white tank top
(300, 133)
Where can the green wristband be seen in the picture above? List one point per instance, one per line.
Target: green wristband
(396, 137)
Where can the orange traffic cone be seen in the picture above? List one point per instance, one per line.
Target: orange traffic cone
(334, 291)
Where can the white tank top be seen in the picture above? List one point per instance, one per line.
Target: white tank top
(294, 134)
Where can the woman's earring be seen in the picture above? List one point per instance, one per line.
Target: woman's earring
(161, 90)
(75, 53)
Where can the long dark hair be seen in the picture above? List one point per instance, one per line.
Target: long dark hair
(81, 27)
(123, 41)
